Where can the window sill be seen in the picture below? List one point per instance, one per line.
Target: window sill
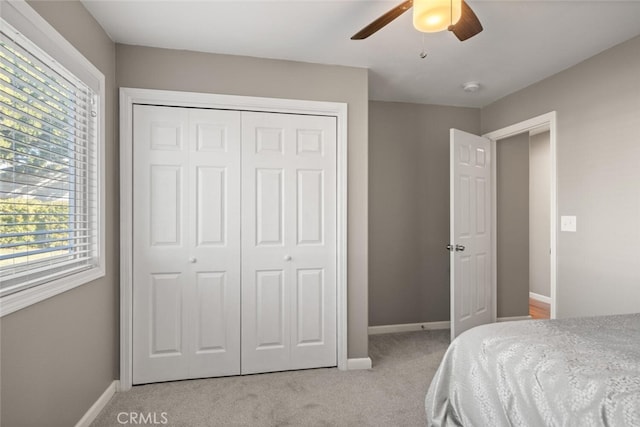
(22, 299)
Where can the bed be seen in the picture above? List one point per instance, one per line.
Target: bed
(571, 372)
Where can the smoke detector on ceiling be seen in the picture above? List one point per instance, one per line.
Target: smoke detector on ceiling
(471, 87)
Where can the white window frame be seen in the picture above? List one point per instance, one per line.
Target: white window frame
(26, 20)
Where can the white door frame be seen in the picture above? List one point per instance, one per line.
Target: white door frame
(131, 96)
(548, 119)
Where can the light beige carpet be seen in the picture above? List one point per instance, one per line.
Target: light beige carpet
(390, 394)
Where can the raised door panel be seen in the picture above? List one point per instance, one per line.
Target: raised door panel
(310, 207)
(465, 277)
(269, 140)
(269, 207)
(159, 330)
(166, 133)
(215, 333)
(309, 318)
(464, 213)
(165, 210)
(211, 205)
(270, 313)
(211, 332)
(212, 137)
(165, 320)
(483, 280)
(310, 142)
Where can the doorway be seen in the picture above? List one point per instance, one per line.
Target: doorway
(524, 218)
(522, 188)
(234, 242)
(133, 97)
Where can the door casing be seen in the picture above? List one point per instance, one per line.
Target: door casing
(131, 96)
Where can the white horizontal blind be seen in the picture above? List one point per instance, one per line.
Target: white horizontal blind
(48, 168)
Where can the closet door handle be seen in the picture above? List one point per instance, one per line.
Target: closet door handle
(287, 257)
(193, 260)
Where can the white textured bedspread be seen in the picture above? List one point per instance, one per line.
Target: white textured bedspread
(572, 372)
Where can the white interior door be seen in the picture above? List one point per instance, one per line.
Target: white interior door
(186, 243)
(288, 242)
(472, 293)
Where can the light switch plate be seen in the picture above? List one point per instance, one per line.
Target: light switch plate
(568, 223)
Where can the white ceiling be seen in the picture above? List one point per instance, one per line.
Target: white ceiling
(522, 42)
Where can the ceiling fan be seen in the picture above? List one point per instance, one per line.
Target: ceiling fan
(431, 16)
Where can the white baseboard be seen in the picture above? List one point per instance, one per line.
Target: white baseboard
(361, 363)
(541, 298)
(409, 327)
(427, 326)
(509, 319)
(99, 405)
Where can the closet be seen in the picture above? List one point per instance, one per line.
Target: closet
(234, 242)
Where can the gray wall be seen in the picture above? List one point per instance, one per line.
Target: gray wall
(409, 209)
(512, 188)
(539, 214)
(152, 68)
(598, 152)
(59, 356)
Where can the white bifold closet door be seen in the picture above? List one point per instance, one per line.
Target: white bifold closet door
(186, 278)
(288, 242)
(206, 301)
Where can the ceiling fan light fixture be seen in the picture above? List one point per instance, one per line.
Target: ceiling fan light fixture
(431, 16)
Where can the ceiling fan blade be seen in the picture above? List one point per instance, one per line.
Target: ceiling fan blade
(468, 26)
(383, 20)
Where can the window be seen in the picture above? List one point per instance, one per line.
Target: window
(50, 172)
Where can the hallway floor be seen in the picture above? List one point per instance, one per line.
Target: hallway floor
(539, 310)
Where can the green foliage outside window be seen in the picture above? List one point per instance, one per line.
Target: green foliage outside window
(33, 216)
